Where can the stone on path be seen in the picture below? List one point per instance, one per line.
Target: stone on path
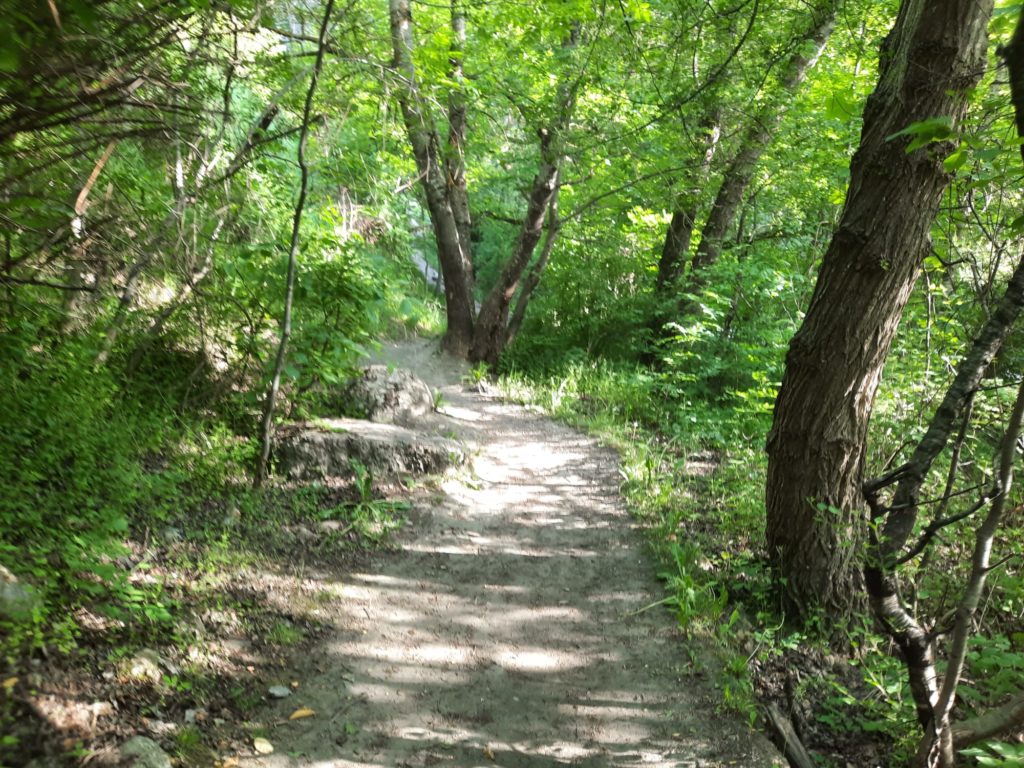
(143, 752)
(389, 396)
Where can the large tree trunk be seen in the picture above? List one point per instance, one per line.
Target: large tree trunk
(933, 56)
(452, 250)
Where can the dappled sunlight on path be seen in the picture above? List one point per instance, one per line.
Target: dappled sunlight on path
(508, 629)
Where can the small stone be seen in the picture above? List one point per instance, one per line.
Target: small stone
(143, 666)
(143, 752)
(279, 691)
(262, 746)
(160, 728)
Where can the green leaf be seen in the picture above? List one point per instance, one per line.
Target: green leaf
(956, 160)
(924, 132)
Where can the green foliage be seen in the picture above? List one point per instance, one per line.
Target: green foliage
(997, 754)
(373, 519)
(70, 467)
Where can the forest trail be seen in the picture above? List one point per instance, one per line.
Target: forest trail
(506, 627)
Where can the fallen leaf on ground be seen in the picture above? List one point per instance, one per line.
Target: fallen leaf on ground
(489, 753)
(262, 746)
(301, 712)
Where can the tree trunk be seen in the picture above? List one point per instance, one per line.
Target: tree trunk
(267, 426)
(676, 248)
(456, 157)
(490, 333)
(452, 252)
(808, 48)
(933, 56)
(536, 271)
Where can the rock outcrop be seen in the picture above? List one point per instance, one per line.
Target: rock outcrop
(328, 447)
(388, 396)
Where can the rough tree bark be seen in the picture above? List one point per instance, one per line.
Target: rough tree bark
(933, 56)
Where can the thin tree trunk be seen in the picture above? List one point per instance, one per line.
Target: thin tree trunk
(896, 522)
(426, 150)
(456, 157)
(267, 426)
(931, 59)
(676, 247)
(937, 748)
(808, 47)
(536, 271)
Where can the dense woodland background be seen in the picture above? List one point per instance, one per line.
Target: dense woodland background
(212, 210)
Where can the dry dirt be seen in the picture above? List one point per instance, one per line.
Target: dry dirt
(507, 626)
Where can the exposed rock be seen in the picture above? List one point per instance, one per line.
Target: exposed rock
(16, 599)
(329, 449)
(143, 752)
(389, 396)
(144, 666)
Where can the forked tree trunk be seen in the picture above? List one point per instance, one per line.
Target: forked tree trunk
(931, 59)
(452, 250)
(443, 177)
(490, 333)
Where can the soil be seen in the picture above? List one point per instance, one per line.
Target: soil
(513, 624)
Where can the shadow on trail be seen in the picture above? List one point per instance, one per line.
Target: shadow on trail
(511, 628)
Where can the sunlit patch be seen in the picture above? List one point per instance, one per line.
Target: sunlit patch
(419, 654)
(512, 618)
(462, 414)
(475, 548)
(538, 660)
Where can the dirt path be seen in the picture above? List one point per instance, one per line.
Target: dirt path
(504, 630)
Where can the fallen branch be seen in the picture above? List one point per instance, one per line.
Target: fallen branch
(788, 741)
